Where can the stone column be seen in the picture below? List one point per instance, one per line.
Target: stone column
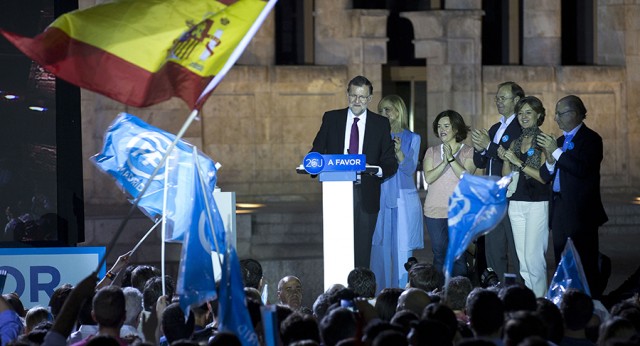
(368, 51)
(332, 32)
(352, 37)
(631, 48)
(261, 51)
(451, 42)
(541, 29)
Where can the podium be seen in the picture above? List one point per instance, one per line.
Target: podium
(337, 173)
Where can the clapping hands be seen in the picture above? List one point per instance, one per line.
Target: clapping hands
(447, 151)
(510, 156)
(548, 145)
(547, 142)
(480, 139)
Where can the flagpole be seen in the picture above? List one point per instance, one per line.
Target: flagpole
(164, 224)
(145, 237)
(185, 126)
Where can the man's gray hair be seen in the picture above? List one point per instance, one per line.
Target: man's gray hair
(133, 301)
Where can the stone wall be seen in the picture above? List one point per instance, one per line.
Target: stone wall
(261, 120)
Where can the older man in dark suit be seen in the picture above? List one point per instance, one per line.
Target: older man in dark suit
(356, 130)
(573, 166)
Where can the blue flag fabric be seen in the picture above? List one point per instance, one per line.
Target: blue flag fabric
(196, 280)
(569, 274)
(234, 316)
(477, 205)
(133, 149)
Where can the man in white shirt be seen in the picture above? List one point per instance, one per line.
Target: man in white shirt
(373, 139)
(499, 247)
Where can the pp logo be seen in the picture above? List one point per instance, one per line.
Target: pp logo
(145, 153)
(460, 205)
(313, 163)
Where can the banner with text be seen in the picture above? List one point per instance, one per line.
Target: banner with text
(34, 273)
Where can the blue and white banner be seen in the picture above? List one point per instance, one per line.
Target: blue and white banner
(133, 149)
(34, 273)
(196, 279)
(477, 205)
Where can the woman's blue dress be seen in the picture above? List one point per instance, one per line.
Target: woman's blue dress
(399, 228)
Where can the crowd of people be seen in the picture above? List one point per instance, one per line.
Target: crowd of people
(130, 309)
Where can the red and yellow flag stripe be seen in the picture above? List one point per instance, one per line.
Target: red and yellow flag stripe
(141, 52)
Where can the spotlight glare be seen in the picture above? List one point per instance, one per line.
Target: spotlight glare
(250, 205)
(38, 109)
(10, 97)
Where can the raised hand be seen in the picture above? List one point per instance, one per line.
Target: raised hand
(397, 142)
(501, 152)
(510, 156)
(448, 152)
(548, 145)
(480, 139)
(121, 262)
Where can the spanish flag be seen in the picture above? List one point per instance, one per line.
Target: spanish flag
(142, 52)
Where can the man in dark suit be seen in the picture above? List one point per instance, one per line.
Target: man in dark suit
(489, 147)
(374, 141)
(573, 167)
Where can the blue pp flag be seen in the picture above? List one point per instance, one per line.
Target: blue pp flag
(234, 316)
(196, 280)
(569, 274)
(133, 149)
(477, 205)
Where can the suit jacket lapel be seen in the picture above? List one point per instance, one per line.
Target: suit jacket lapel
(579, 135)
(367, 130)
(341, 128)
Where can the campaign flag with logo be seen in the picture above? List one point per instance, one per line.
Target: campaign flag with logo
(477, 205)
(196, 279)
(569, 274)
(146, 51)
(233, 314)
(132, 150)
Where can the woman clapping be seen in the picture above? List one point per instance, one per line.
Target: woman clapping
(529, 203)
(443, 166)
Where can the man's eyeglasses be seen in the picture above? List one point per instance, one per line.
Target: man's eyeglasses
(360, 98)
(559, 114)
(502, 98)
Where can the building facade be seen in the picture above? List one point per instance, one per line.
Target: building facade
(261, 120)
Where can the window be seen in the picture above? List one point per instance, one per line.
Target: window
(502, 32)
(578, 32)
